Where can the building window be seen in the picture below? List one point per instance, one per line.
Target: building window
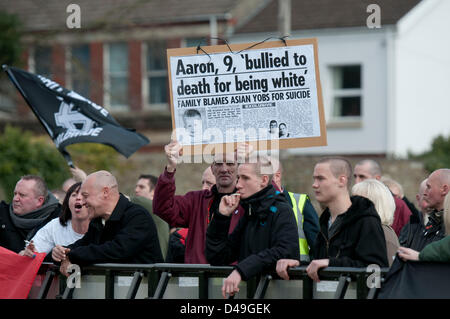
(194, 42)
(43, 61)
(7, 93)
(80, 70)
(117, 71)
(347, 92)
(156, 71)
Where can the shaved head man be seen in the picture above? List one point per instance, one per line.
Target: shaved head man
(423, 205)
(100, 194)
(437, 186)
(120, 231)
(417, 235)
(268, 215)
(366, 169)
(350, 222)
(208, 179)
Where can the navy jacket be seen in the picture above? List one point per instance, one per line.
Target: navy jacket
(310, 224)
(416, 235)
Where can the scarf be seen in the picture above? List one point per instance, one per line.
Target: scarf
(28, 221)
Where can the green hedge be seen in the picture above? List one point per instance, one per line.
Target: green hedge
(438, 156)
(22, 154)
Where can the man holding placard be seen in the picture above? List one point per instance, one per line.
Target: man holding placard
(196, 209)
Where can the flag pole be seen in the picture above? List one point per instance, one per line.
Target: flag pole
(67, 157)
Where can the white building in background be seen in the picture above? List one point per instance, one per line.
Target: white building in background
(386, 90)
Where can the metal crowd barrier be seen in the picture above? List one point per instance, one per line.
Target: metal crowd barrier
(202, 278)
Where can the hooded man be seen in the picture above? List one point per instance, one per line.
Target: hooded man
(266, 233)
(350, 234)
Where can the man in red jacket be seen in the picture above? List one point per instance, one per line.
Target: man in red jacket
(195, 209)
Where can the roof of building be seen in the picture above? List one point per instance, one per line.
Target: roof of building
(42, 15)
(261, 15)
(319, 14)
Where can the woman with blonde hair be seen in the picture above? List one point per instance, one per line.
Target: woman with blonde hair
(438, 251)
(384, 203)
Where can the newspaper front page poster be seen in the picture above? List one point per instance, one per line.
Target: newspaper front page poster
(268, 94)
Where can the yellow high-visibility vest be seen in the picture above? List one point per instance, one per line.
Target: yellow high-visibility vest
(298, 203)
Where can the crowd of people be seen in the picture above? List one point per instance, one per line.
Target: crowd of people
(242, 216)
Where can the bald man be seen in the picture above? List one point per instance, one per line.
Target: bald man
(416, 223)
(417, 236)
(120, 231)
(208, 179)
(423, 206)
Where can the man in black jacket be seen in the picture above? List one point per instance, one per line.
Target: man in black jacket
(350, 228)
(417, 223)
(32, 207)
(417, 234)
(120, 231)
(267, 232)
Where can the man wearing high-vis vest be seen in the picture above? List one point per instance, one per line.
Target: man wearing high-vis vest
(305, 215)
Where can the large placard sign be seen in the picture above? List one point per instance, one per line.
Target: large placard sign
(268, 94)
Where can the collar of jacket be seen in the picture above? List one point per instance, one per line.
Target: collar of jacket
(361, 207)
(120, 208)
(260, 203)
(215, 192)
(435, 217)
(116, 213)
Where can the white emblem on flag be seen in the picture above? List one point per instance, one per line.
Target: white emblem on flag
(76, 124)
(72, 120)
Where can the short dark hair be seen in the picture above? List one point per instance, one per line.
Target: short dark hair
(338, 166)
(192, 113)
(40, 187)
(375, 167)
(151, 178)
(66, 214)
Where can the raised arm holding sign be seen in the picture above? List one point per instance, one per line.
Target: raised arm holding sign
(235, 93)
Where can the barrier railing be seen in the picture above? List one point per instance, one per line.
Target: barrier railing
(159, 275)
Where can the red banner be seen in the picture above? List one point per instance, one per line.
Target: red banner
(17, 273)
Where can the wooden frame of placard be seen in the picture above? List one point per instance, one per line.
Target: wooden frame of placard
(263, 144)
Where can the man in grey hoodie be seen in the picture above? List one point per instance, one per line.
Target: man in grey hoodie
(32, 207)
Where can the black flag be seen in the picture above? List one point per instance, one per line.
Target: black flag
(70, 118)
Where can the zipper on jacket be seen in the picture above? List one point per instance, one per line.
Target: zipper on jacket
(328, 242)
